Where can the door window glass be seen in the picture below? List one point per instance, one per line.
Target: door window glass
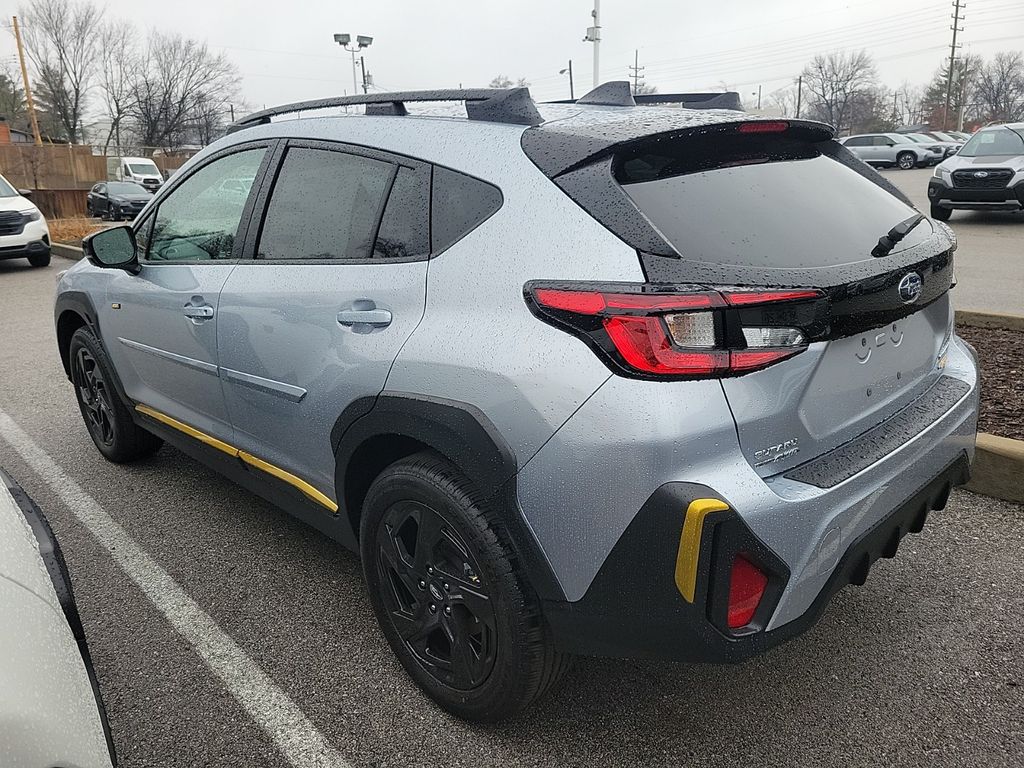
(199, 220)
(460, 203)
(405, 228)
(325, 205)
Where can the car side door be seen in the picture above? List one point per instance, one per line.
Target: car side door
(160, 325)
(96, 201)
(885, 149)
(314, 321)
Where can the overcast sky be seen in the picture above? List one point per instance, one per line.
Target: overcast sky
(286, 52)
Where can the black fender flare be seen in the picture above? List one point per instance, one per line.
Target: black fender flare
(464, 435)
(81, 304)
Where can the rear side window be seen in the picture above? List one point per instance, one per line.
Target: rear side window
(459, 204)
(405, 227)
(324, 205)
(765, 202)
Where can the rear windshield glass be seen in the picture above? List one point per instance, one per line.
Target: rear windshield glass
(769, 203)
(1000, 141)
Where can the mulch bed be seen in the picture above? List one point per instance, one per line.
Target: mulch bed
(1001, 354)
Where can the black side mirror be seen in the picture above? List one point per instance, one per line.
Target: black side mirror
(25, 192)
(113, 248)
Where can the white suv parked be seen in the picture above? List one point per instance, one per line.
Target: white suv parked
(23, 230)
(893, 149)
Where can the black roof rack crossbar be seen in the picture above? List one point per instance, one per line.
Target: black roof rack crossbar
(497, 105)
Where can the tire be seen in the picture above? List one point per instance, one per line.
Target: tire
(441, 579)
(39, 259)
(906, 160)
(941, 214)
(106, 416)
(113, 214)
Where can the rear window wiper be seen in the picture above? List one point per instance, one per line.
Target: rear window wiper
(888, 241)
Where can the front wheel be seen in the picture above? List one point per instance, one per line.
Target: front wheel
(906, 160)
(114, 214)
(450, 602)
(941, 214)
(39, 259)
(106, 416)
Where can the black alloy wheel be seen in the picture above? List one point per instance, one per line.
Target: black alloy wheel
(435, 595)
(94, 395)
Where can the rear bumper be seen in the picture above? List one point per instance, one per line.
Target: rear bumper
(1004, 199)
(633, 612)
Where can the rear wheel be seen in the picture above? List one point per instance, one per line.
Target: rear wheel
(906, 160)
(447, 596)
(106, 416)
(941, 214)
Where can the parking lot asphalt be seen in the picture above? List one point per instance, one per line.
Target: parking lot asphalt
(922, 666)
(990, 256)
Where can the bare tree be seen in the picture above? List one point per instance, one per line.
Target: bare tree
(999, 87)
(61, 37)
(784, 100)
(642, 89)
(502, 81)
(180, 83)
(119, 66)
(834, 81)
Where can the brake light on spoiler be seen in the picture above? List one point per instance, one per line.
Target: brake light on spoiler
(682, 332)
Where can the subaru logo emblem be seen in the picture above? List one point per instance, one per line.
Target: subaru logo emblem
(981, 174)
(910, 287)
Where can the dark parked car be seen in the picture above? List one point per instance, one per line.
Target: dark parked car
(116, 200)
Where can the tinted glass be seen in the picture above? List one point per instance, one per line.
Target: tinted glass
(459, 204)
(143, 233)
(1000, 141)
(858, 141)
(126, 188)
(324, 205)
(6, 190)
(764, 203)
(405, 228)
(881, 141)
(198, 221)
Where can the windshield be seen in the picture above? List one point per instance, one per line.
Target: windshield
(145, 168)
(125, 188)
(996, 141)
(6, 190)
(920, 138)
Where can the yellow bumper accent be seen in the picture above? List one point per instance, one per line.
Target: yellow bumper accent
(253, 461)
(689, 544)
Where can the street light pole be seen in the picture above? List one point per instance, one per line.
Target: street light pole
(594, 36)
(572, 94)
(362, 41)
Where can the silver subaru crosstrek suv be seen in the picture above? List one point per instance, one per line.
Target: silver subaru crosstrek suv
(583, 378)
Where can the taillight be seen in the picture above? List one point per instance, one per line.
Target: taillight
(747, 583)
(681, 332)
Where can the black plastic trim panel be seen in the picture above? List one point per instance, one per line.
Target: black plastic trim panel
(53, 559)
(842, 463)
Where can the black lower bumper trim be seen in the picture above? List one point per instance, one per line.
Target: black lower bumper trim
(35, 248)
(633, 608)
(53, 559)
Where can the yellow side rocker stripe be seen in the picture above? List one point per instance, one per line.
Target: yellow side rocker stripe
(248, 458)
(689, 544)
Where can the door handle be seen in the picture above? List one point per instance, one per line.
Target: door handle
(198, 313)
(365, 313)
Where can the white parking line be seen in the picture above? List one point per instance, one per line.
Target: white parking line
(302, 745)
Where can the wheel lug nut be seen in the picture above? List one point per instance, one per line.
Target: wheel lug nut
(423, 584)
(433, 608)
(447, 610)
(447, 587)
(430, 569)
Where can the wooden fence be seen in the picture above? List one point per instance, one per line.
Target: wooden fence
(60, 203)
(51, 166)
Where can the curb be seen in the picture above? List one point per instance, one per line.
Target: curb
(72, 252)
(998, 469)
(977, 319)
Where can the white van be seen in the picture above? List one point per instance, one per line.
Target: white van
(141, 170)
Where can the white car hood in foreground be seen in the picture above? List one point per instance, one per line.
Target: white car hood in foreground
(16, 203)
(48, 713)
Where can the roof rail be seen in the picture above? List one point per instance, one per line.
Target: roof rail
(723, 100)
(496, 105)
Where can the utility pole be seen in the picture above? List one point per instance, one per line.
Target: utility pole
(635, 71)
(594, 36)
(362, 65)
(799, 93)
(28, 89)
(232, 108)
(572, 94)
(963, 98)
(759, 98)
(957, 18)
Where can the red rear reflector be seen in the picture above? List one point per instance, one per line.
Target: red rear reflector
(746, 588)
(766, 126)
(742, 298)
